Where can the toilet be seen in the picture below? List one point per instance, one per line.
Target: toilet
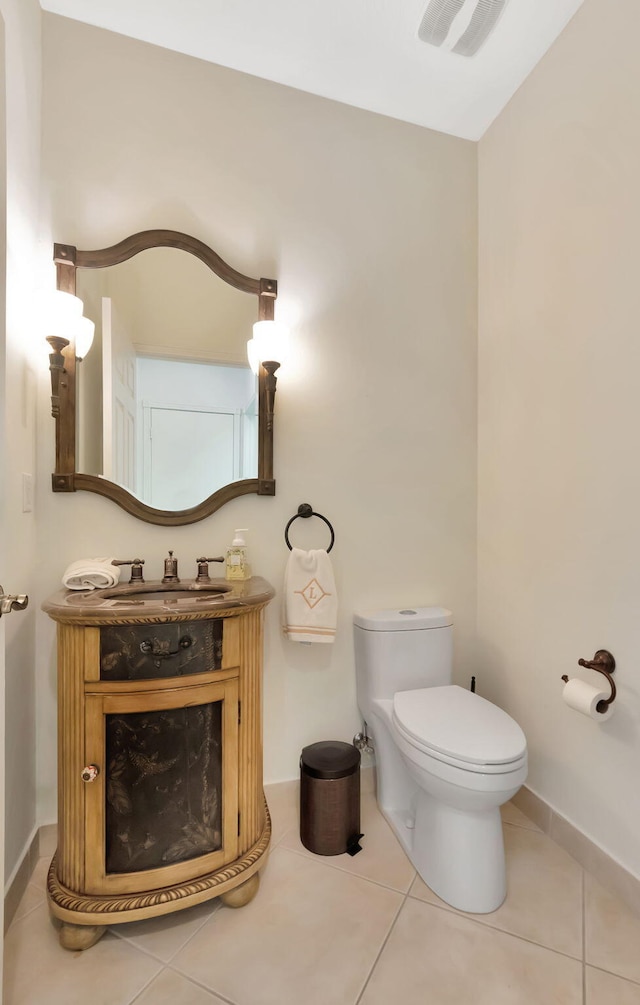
(446, 758)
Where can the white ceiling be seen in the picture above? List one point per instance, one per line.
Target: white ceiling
(361, 52)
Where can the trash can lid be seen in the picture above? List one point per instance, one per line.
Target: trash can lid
(330, 759)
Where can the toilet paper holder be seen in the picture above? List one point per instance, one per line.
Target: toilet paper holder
(604, 663)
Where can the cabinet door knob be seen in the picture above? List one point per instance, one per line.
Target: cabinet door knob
(90, 772)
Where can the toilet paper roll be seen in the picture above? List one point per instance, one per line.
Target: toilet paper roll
(584, 698)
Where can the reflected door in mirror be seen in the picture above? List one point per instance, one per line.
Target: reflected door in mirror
(154, 415)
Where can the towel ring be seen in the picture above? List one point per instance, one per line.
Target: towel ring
(305, 511)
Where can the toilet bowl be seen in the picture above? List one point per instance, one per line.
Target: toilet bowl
(446, 758)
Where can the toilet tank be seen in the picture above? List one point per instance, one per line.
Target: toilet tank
(399, 650)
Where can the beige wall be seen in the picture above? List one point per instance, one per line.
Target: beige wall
(370, 227)
(19, 572)
(559, 415)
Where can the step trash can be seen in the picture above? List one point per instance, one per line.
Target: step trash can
(330, 798)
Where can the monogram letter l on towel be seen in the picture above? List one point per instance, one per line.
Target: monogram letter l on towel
(310, 599)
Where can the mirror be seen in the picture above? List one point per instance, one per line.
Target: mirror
(164, 415)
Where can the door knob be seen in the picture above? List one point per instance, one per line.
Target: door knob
(9, 602)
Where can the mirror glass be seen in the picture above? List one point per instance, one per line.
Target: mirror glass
(167, 406)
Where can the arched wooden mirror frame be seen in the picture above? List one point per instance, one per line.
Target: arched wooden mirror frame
(65, 478)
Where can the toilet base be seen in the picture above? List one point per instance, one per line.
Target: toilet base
(459, 854)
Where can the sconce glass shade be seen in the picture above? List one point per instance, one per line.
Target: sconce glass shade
(268, 343)
(83, 331)
(63, 310)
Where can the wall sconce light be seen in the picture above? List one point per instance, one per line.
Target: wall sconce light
(85, 329)
(267, 348)
(63, 317)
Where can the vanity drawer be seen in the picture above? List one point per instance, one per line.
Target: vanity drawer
(156, 651)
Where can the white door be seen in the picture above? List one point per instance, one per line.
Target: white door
(188, 454)
(6, 603)
(119, 399)
(3, 468)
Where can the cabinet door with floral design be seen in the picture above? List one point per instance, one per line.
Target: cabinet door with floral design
(166, 796)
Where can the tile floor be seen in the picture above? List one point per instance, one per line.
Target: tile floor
(341, 931)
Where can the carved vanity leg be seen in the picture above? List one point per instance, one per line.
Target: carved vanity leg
(241, 895)
(75, 937)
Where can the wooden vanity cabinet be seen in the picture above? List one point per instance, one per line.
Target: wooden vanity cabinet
(161, 803)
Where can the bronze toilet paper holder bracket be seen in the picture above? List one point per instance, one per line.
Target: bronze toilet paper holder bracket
(603, 662)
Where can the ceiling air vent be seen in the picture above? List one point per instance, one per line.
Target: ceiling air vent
(461, 26)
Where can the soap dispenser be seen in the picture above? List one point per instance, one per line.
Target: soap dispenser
(237, 566)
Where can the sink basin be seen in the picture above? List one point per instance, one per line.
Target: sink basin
(168, 591)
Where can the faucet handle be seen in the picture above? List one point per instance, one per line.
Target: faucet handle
(203, 568)
(136, 568)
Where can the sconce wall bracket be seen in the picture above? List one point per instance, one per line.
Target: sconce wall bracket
(270, 365)
(62, 483)
(57, 368)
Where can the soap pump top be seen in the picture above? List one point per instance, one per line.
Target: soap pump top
(237, 566)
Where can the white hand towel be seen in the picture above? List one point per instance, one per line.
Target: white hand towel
(310, 599)
(91, 574)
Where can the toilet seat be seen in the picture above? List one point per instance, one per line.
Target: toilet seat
(460, 728)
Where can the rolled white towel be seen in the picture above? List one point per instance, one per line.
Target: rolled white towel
(91, 574)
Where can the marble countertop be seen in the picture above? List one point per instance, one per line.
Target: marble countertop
(158, 602)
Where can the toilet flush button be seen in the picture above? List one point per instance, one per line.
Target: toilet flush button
(407, 612)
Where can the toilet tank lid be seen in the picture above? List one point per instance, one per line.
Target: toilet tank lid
(403, 619)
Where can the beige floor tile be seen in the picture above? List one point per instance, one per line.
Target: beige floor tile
(31, 898)
(48, 840)
(382, 859)
(39, 874)
(544, 893)
(444, 958)
(512, 815)
(162, 937)
(169, 988)
(367, 779)
(612, 933)
(38, 970)
(282, 799)
(606, 989)
(311, 935)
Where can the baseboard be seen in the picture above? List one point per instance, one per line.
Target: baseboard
(609, 873)
(19, 879)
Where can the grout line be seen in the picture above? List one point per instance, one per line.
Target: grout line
(524, 827)
(217, 906)
(503, 931)
(310, 857)
(17, 918)
(144, 988)
(18, 921)
(611, 973)
(381, 950)
(113, 929)
(199, 984)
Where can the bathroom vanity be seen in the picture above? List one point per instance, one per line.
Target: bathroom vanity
(160, 797)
